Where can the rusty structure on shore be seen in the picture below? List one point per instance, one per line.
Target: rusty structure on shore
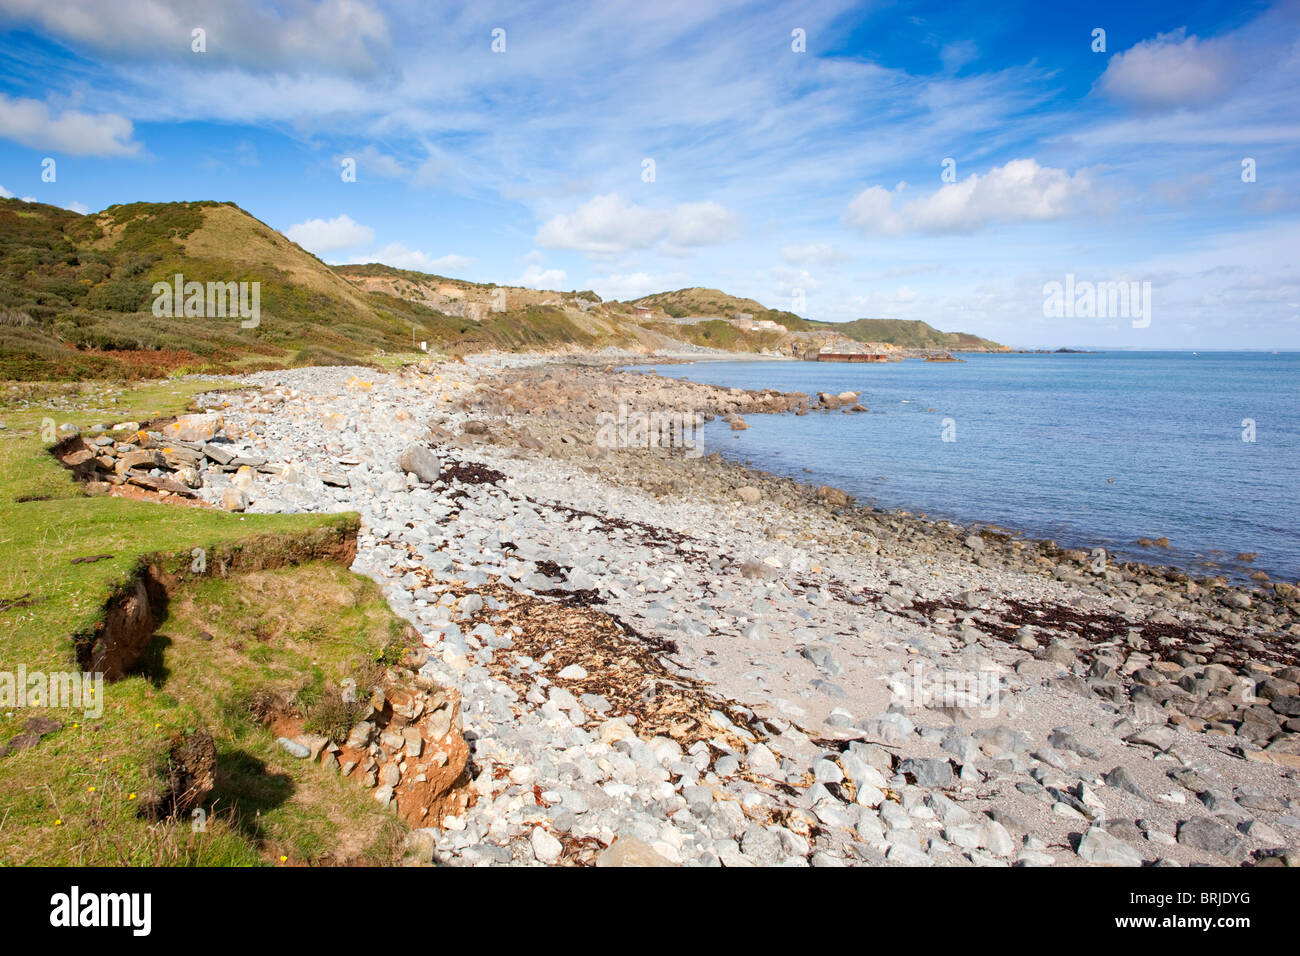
(822, 356)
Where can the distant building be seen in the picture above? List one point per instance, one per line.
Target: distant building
(845, 353)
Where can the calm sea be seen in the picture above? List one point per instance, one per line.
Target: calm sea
(1092, 450)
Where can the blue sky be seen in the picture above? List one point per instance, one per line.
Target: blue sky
(777, 173)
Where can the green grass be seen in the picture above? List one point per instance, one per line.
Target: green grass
(75, 797)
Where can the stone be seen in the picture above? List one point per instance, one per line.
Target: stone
(1204, 833)
(1102, 849)
(218, 453)
(762, 761)
(546, 848)
(832, 496)
(1064, 740)
(907, 855)
(629, 851)
(420, 461)
(1122, 779)
(933, 772)
(995, 838)
(947, 811)
(827, 771)
(821, 658)
(1156, 737)
(293, 748)
(421, 844)
(196, 428)
(232, 499)
(761, 846)
(616, 729)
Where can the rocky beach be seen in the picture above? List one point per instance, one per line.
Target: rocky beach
(665, 658)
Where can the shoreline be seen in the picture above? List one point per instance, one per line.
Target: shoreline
(1203, 566)
(785, 679)
(1238, 576)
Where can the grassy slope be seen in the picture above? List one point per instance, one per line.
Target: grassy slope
(911, 334)
(76, 295)
(899, 332)
(76, 299)
(714, 302)
(70, 798)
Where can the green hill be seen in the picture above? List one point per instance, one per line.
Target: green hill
(76, 299)
(899, 332)
(77, 302)
(718, 304)
(913, 334)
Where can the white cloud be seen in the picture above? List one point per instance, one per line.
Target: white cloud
(1020, 191)
(340, 35)
(77, 207)
(1173, 71)
(30, 123)
(605, 225)
(400, 256)
(633, 285)
(535, 277)
(330, 235)
(872, 210)
(810, 253)
(610, 225)
(701, 224)
(5, 194)
(787, 281)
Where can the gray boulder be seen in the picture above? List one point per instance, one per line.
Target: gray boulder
(421, 462)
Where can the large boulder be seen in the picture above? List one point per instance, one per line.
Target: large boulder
(203, 427)
(420, 461)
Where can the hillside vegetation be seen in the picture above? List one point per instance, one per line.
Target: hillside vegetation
(718, 304)
(76, 303)
(913, 334)
(903, 333)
